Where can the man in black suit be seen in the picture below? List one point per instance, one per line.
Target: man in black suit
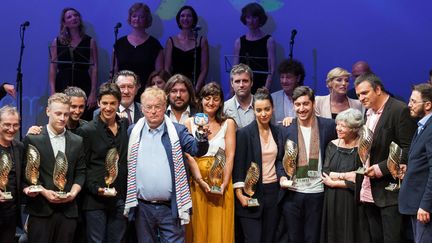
(302, 202)
(53, 218)
(10, 209)
(389, 120)
(415, 196)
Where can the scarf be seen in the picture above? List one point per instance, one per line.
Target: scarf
(304, 165)
(183, 197)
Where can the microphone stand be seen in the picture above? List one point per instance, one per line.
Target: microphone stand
(291, 47)
(19, 78)
(116, 28)
(195, 56)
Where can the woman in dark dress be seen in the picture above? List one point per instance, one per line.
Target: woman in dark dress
(340, 213)
(179, 49)
(256, 44)
(138, 51)
(73, 57)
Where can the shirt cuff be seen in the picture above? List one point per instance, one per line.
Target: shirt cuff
(378, 172)
(238, 185)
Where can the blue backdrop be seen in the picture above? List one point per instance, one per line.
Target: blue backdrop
(393, 36)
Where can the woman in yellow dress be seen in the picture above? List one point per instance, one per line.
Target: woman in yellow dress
(212, 214)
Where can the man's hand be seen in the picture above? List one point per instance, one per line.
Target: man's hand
(370, 172)
(10, 89)
(287, 121)
(423, 216)
(34, 130)
(30, 194)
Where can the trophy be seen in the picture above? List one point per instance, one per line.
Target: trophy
(393, 165)
(200, 119)
(5, 167)
(365, 144)
(251, 180)
(216, 172)
(111, 165)
(59, 175)
(32, 168)
(289, 161)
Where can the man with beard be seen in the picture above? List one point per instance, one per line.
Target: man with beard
(181, 98)
(78, 100)
(240, 106)
(389, 121)
(128, 83)
(415, 196)
(291, 75)
(10, 208)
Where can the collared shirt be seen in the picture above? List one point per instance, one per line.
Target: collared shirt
(244, 117)
(371, 122)
(153, 170)
(185, 115)
(131, 108)
(422, 123)
(58, 141)
(288, 106)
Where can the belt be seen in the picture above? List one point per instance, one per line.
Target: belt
(156, 202)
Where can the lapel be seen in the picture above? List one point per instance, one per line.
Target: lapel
(256, 143)
(137, 112)
(383, 119)
(416, 136)
(17, 156)
(46, 144)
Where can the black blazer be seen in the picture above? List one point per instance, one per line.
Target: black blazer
(248, 149)
(395, 124)
(39, 205)
(327, 132)
(137, 112)
(416, 188)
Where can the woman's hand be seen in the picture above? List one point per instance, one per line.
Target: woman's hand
(327, 180)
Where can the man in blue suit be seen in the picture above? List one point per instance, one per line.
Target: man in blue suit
(302, 202)
(415, 196)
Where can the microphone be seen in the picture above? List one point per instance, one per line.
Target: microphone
(197, 28)
(25, 24)
(293, 34)
(118, 25)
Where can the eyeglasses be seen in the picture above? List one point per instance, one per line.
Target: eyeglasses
(8, 126)
(157, 108)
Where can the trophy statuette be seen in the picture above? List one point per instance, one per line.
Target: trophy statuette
(111, 165)
(365, 144)
(32, 168)
(393, 165)
(250, 182)
(59, 174)
(201, 120)
(216, 172)
(5, 167)
(289, 162)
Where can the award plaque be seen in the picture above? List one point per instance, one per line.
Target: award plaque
(365, 144)
(251, 180)
(111, 165)
(60, 171)
(5, 167)
(32, 168)
(393, 165)
(289, 161)
(216, 172)
(200, 119)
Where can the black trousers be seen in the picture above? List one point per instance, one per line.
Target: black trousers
(385, 224)
(263, 229)
(8, 227)
(52, 229)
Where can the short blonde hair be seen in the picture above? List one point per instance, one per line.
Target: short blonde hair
(59, 98)
(335, 73)
(147, 13)
(154, 92)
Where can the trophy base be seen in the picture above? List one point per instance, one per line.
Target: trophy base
(393, 187)
(286, 184)
(62, 195)
(216, 190)
(7, 196)
(110, 192)
(35, 188)
(361, 171)
(253, 202)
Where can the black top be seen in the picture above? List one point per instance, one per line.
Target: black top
(253, 49)
(183, 61)
(73, 65)
(98, 139)
(140, 59)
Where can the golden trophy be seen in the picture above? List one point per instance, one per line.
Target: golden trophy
(32, 168)
(60, 171)
(5, 167)
(393, 165)
(216, 172)
(289, 162)
(365, 144)
(252, 176)
(111, 165)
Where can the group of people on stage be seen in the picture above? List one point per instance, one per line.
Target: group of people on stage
(170, 161)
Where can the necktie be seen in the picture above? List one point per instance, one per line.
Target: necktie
(129, 117)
